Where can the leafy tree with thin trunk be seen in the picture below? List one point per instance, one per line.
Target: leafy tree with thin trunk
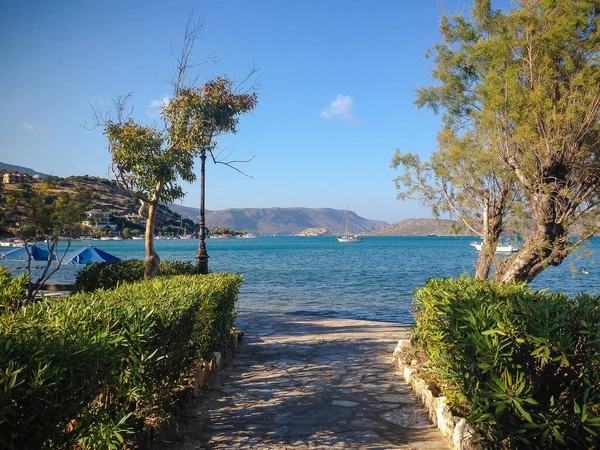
(462, 180)
(148, 161)
(148, 165)
(196, 117)
(526, 82)
(47, 220)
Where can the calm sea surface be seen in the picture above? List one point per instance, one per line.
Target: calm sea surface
(372, 280)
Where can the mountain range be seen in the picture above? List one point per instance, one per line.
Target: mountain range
(282, 221)
(261, 221)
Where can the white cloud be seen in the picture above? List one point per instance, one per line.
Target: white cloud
(32, 129)
(159, 102)
(155, 106)
(341, 108)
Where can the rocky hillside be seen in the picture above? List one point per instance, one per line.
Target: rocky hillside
(283, 221)
(421, 227)
(105, 194)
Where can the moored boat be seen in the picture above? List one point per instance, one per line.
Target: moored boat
(499, 249)
(349, 238)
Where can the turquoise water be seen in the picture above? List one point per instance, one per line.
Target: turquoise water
(373, 280)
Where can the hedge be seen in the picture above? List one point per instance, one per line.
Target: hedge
(12, 290)
(108, 275)
(87, 370)
(522, 366)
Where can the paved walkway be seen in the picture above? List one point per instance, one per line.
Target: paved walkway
(308, 382)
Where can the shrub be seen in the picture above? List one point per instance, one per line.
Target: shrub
(108, 275)
(12, 290)
(86, 370)
(175, 267)
(523, 366)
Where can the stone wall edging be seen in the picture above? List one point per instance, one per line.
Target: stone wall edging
(206, 369)
(454, 428)
(202, 373)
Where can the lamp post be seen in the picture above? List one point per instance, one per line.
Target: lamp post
(202, 255)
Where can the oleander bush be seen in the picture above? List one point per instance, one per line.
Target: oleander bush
(523, 366)
(93, 369)
(12, 290)
(108, 275)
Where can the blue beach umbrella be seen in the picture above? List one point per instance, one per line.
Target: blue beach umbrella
(35, 253)
(91, 254)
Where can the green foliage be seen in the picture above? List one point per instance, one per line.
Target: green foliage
(141, 159)
(225, 231)
(519, 94)
(85, 370)
(108, 275)
(197, 115)
(175, 267)
(523, 366)
(12, 290)
(48, 217)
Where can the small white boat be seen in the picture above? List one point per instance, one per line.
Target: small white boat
(499, 249)
(349, 238)
(248, 236)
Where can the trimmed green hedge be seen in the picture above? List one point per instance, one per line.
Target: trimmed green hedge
(87, 370)
(523, 366)
(108, 275)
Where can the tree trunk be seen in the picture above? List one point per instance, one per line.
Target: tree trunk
(491, 237)
(493, 216)
(152, 258)
(486, 259)
(546, 246)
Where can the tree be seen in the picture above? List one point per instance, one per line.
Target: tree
(147, 164)
(49, 218)
(463, 180)
(196, 117)
(148, 161)
(527, 83)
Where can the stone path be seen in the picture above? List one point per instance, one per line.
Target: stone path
(308, 382)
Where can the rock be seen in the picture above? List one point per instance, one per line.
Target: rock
(218, 360)
(344, 403)
(407, 419)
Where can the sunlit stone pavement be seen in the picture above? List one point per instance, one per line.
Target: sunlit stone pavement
(308, 382)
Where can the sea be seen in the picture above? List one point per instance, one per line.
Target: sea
(373, 280)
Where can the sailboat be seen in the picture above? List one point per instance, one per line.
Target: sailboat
(349, 238)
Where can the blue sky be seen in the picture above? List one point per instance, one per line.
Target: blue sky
(336, 94)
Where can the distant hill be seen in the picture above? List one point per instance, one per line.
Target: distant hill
(20, 169)
(106, 197)
(421, 227)
(282, 221)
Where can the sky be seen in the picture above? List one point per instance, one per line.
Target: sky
(335, 78)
